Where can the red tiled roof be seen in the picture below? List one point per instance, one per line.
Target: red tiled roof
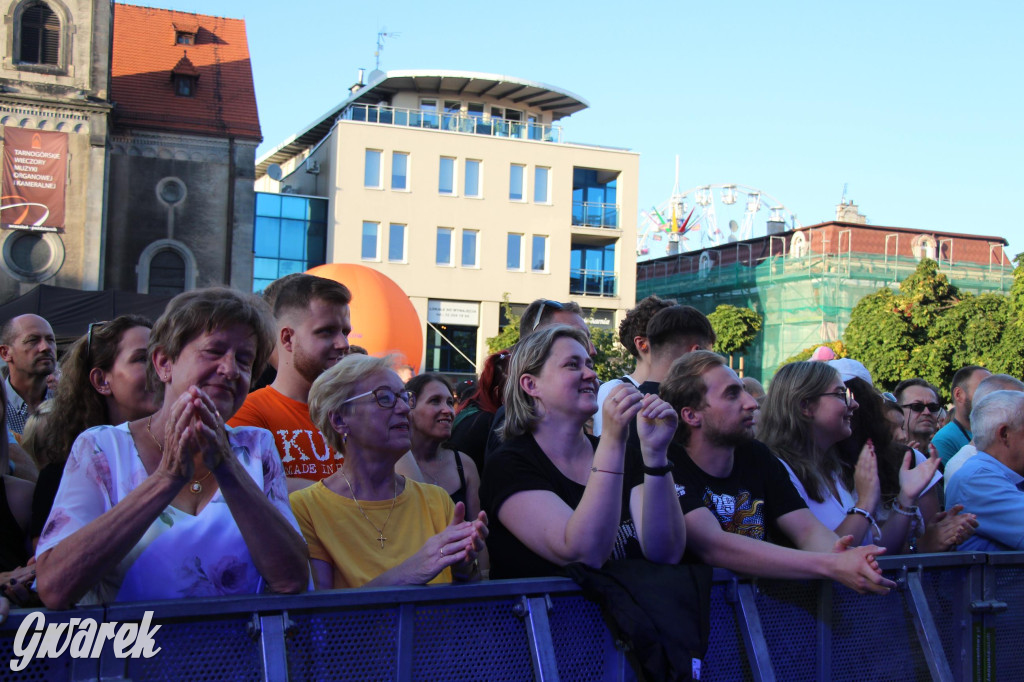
(144, 56)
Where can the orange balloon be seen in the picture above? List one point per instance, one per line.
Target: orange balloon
(383, 318)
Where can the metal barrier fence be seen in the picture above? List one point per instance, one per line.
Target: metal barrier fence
(954, 617)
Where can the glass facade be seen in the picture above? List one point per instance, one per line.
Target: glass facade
(592, 270)
(290, 235)
(441, 357)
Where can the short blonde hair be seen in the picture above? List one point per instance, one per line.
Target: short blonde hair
(335, 386)
(529, 356)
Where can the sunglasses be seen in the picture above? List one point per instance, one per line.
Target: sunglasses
(921, 407)
(545, 303)
(88, 339)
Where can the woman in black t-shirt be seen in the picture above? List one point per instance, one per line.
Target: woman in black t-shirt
(554, 494)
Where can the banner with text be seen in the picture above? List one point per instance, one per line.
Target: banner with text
(35, 171)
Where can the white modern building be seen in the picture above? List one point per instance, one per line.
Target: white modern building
(461, 188)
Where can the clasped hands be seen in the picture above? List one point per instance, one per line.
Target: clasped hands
(193, 428)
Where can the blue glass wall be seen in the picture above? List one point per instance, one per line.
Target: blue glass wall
(290, 235)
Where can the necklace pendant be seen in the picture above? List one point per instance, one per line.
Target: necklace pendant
(382, 539)
(196, 487)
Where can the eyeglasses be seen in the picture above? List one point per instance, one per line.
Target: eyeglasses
(386, 398)
(846, 395)
(88, 337)
(921, 407)
(545, 303)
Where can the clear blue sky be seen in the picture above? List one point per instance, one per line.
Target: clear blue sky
(917, 105)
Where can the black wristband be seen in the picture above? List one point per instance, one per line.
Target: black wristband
(659, 471)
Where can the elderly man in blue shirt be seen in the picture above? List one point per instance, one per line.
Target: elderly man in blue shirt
(991, 484)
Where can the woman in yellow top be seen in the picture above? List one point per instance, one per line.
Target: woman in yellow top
(365, 524)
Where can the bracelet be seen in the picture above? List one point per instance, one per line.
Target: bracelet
(659, 471)
(906, 511)
(607, 471)
(876, 533)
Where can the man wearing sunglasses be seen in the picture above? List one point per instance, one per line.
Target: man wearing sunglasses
(920, 403)
(957, 433)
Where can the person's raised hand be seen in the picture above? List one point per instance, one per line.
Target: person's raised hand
(655, 425)
(621, 405)
(865, 478)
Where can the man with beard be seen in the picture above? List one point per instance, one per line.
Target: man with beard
(313, 324)
(29, 348)
(736, 496)
(957, 433)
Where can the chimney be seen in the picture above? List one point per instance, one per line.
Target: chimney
(847, 212)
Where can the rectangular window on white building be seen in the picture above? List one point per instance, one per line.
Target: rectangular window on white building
(473, 168)
(446, 175)
(444, 246)
(371, 170)
(396, 243)
(470, 246)
(539, 254)
(371, 241)
(514, 255)
(399, 170)
(516, 178)
(541, 177)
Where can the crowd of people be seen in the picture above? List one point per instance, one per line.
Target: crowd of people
(240, 445)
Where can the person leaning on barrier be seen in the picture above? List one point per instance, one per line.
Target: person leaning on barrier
(366, 524)
(558, 496)
(989, 484)
(178, 504)
(807, 412)
(736, 495)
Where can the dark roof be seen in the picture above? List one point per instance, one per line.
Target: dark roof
(145, 54)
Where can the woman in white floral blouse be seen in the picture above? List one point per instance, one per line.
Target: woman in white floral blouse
(178, 504)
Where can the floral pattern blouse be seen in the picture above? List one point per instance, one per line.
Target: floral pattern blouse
(180, 555)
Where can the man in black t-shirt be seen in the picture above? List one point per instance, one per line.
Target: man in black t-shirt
(736, 496)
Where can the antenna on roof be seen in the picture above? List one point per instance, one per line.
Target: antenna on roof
(381, 35)
(845, 186)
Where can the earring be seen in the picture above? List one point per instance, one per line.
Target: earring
(344, 438)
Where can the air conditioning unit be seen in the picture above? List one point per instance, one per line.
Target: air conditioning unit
(312, 166)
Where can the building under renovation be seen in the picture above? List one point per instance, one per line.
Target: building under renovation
(805, 282)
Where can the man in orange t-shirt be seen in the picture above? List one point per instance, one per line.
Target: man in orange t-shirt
(313, 324)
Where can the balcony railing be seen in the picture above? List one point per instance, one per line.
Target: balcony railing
(593, 214)
(592, 282)
(456, 123)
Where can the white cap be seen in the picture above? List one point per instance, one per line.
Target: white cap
(849, 368)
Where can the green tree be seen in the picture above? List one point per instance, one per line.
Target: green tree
(1009, 356)
(509, 334)
(612, 359)
(735, 328)
(837, 347)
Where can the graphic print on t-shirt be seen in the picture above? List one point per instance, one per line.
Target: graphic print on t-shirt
(741, 514)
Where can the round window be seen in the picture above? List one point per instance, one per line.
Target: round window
(171, 191)
(32, 256)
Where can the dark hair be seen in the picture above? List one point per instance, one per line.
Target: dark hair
(680, 323)
(907, 383)
(418, 382)
(530, 321)
(869, 421)
(635, 322)
(684, 386)
(299, 291)
(78, 405)
(204, 310)
(962, 376)
(490, 388)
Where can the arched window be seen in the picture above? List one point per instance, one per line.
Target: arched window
(923, 246)
(798, 246)
(167, 273)
(40, 35)
(166, 267)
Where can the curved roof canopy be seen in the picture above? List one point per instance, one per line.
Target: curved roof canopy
(383, 86)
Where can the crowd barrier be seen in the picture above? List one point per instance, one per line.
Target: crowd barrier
(955, 616)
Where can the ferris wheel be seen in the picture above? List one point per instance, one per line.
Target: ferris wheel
(708, 216)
